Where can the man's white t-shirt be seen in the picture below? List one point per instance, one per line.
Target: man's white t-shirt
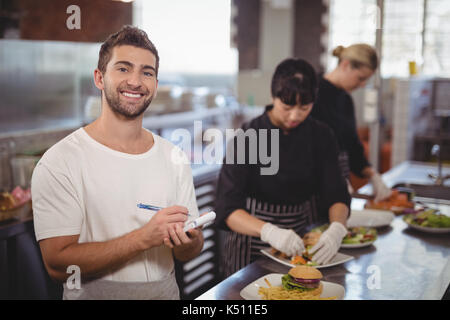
(82, 187)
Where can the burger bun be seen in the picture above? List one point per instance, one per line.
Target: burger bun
(305, 272)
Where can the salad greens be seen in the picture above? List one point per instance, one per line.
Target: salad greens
(354, 235)
(428, 218)
(358, 235)
(321, 228)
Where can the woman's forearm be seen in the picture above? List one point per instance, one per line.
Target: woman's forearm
(243, 222)
(368, 172)
(339, 212)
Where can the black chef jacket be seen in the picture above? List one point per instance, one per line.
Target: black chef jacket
(308, 166)
(334, 106)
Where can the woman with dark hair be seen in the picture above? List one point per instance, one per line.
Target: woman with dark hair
(261, 211)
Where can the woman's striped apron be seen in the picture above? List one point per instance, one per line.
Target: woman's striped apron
(241, 250)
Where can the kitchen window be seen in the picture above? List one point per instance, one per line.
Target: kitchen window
(192, 37)
(437, 38)
(350, 21)
(402, 36)
(413, 30)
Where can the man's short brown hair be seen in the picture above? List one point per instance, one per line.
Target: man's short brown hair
(128, 35)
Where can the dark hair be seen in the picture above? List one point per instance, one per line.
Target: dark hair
(128, 35)
(294, 81)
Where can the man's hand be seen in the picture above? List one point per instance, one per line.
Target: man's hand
(96, 259)
(185, 245)
(179, 238)
(162, 224)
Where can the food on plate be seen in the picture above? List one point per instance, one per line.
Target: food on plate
(304, 259)
(303, 278)
(278, 254)
(300, 283)
(13, 204)
(298, 260)
(311, 238)
(397, 202)
(430, 218)
(21, 195)
(7, 201)
(14, 199)
(357, 235)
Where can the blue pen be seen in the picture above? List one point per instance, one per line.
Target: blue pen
(150, 207)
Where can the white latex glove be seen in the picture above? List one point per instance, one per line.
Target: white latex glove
(283, 240)
(381, 191)
(329, 243)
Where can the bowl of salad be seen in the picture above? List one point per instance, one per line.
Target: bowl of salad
(429, 220)
(356, 237)
(359, 237)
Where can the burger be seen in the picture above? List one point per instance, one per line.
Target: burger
(303, 278)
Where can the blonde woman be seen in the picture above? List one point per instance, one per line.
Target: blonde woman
(334, 106)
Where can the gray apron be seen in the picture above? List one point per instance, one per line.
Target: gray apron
(240, 250)
(165, 289)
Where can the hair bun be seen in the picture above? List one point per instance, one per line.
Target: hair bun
(338, 51)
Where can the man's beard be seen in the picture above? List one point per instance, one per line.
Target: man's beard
(113, 98)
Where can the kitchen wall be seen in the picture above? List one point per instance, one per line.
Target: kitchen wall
(44, 84)
(63, 20)
(47, 56)
(275, 44)
(287, 28)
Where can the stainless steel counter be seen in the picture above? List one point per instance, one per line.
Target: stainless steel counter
(410, 172)
(410, 264)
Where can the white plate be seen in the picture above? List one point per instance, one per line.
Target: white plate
(370, 218)
(338, 259)
(428, 229)
(250, 292)
(356, 245)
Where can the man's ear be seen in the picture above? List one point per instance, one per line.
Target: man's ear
(98, 79)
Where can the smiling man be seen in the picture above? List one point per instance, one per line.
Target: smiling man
(87, 187)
